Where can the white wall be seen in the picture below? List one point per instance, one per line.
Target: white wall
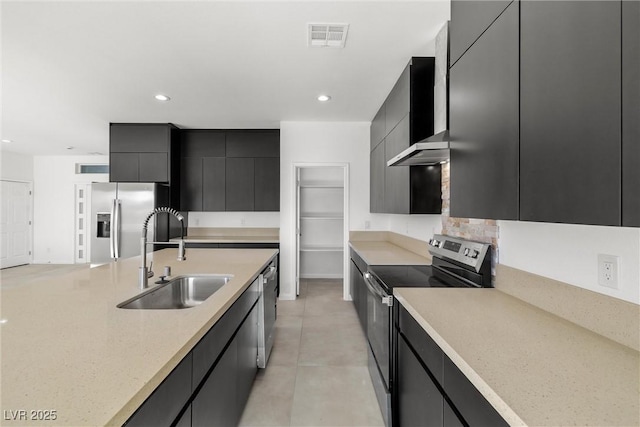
(569, 253)
(16, 167)
(234, 219)
(54, 205)
(320, 142)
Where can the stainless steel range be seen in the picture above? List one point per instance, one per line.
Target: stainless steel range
(456, 263)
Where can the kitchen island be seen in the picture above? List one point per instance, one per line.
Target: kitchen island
(67, 348)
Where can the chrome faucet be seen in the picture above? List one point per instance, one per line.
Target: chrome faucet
(144, 272)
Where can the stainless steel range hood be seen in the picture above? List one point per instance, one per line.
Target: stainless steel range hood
(429, 151)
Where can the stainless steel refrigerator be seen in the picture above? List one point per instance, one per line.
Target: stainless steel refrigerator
(118, 211)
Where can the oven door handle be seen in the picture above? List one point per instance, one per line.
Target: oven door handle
(386, 299)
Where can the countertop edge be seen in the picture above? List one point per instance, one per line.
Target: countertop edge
(492, 397)
(150, 386)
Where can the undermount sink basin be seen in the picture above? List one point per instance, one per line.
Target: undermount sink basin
(179, 292)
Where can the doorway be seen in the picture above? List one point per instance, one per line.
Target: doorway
(322, 223)
(15, 223)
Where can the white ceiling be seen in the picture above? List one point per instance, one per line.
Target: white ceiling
(70, 68)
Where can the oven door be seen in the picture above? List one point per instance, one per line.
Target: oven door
(379, 336)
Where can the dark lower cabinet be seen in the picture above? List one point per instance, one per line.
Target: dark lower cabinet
(420, 403)
(359, 294)
(429, 389)
(211, 385)
(570, 109)
(166, 402)
(216, 402)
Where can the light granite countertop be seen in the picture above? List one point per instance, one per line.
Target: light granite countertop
(535, 368)
(229, 239)
(67, 347)
(379, 252)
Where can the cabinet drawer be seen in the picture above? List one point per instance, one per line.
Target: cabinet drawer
(166, 402)
(429, 352)
(469, 402)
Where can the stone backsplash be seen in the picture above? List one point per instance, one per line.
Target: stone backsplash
(481, 230)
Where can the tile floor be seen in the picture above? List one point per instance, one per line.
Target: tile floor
(317, 374)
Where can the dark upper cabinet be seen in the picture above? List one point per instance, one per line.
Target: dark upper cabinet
(230, 170)
(570, 108)
(378, 127)
(253, 143)
(630, 109)
(267, 184)
(469, 19)
(405, 118)
(377, 170)
(240, 184)
(483, 115)
(144, 153)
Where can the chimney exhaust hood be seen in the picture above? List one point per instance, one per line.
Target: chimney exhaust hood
(429, 151)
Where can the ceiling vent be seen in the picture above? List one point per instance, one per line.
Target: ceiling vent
(327, 35)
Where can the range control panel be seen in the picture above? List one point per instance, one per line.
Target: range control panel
(465, 251)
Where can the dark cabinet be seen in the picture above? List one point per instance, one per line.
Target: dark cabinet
(231, 170)
(166, 402)
(377, 184)
(358, 292)
(469, 20)
(485, 124)
(405, 118)
(247, 358)
(142, 152)
(430, 389)
(570, 107)
(216, 402)
(630, 109)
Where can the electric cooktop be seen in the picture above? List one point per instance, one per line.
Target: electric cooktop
(406, 276)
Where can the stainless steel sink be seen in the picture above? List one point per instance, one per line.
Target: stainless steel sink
(179, 292)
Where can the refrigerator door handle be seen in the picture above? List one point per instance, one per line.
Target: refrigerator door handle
(115, 229)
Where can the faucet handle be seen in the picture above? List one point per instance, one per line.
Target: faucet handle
(150, 270)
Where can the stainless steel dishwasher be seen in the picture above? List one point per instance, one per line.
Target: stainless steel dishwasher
(267, 307)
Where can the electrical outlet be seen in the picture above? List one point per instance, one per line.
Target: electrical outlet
(608, 267)
(242, 221)
(197, 221)
(367, 225)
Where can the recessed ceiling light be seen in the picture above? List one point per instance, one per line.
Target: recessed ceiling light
(161, 97)
(7, 140)
(324, 98)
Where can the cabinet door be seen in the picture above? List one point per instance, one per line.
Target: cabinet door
(191, 184)
(166, 402)
(253, 143)
(139, 138)
(469, 19)
(397, 103)
(396, 178)
(377, 172)
(123, 167)
(153, 167)
(203, 143)
(185, 419)
(216, 403)
(378, 127)
(267, 184)
(570, 107)
(630, 109)
(484, 124)
(419, 402)
(213, 184)
(247, 338)
(239, 186)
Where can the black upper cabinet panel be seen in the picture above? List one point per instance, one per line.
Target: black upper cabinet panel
(630, 109)
(267, 184)
(253, 143)
(213, 184)
(123, 167)
(397, 103)
(203, 143)
(191, 184)
(469, 19)
(484, 124)
(378, 128)
(153, 167)
(240, 184)
(570, 100)
(136, 138)
(421, 104)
